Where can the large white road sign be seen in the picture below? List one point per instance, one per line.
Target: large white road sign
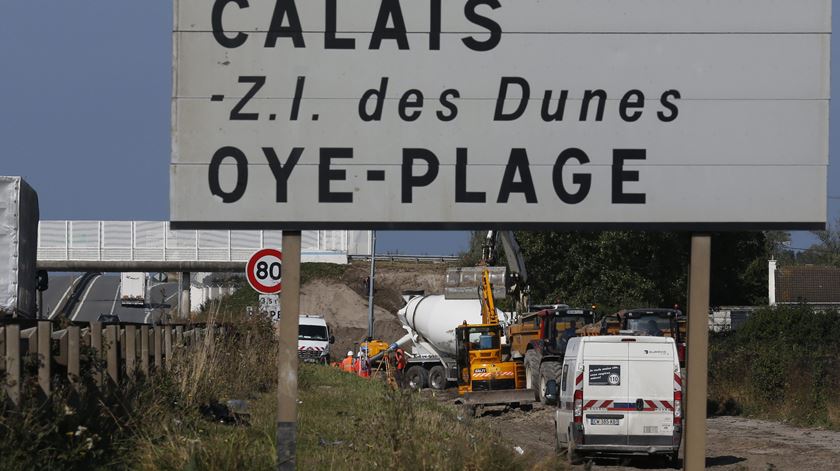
(686, 114)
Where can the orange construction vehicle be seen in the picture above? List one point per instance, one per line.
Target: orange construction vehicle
(484, 377)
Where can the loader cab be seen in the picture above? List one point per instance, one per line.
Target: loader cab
(476, 344)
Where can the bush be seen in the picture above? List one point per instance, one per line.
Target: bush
(782, 364)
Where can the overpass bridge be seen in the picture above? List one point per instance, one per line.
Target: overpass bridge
(152, 246)
(149, 246)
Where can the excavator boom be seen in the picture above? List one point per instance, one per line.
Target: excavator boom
(488, 306)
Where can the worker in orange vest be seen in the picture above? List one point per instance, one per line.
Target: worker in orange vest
(362, 364)
(401, 362)
(347, 363)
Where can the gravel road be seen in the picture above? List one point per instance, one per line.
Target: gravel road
(733, 443)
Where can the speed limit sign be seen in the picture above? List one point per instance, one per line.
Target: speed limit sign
(263, 271)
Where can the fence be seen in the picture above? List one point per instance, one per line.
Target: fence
(125, 349)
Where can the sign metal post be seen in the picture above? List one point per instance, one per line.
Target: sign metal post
(287, 358)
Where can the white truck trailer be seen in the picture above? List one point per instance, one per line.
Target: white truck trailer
(18, 248)
(133, 289)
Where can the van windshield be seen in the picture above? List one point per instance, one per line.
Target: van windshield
(651, 325)
(312, 332)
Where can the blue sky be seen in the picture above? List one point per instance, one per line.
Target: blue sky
(85, 90)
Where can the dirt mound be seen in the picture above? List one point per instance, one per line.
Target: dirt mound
(343, 301)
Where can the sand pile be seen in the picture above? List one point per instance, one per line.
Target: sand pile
(344, 302)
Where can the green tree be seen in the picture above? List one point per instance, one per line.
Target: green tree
(826, 251)
(472, 255)
(632, 269)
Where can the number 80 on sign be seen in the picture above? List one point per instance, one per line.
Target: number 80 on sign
(263, 271)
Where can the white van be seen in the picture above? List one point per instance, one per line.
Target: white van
(619, 395)
(314, 339)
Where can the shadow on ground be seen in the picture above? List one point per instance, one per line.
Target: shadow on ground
(660, 463)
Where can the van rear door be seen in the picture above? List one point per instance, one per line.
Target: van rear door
(605, 392)
(651, 390)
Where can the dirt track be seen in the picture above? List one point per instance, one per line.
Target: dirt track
(732, 443)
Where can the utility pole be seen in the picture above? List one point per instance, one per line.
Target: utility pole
(370, 282)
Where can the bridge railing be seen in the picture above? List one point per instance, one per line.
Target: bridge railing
(155, 241)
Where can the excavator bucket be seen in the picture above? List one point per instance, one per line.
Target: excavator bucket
(465, 282)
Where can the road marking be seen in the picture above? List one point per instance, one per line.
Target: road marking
(171, 296)
(84, 296)
(61, 299)
(116, 295)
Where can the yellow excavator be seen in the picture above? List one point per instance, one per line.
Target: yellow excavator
(484, 376)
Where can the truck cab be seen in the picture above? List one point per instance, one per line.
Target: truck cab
(619, 395)
(653, 321)
(314, 339)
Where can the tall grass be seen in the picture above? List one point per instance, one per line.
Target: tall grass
(161, 422)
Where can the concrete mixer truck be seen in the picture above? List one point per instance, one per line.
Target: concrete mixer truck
(430, 342)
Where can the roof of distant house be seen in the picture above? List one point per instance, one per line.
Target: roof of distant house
(808, 284)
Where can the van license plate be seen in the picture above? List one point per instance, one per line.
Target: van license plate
(600, 421)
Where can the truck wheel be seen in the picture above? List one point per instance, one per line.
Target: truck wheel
(417, 377)
(532, 373)
(437, 378)
(548, 370)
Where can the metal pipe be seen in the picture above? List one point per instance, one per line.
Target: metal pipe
(140, 266)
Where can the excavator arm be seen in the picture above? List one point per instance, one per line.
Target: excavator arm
(488, 306)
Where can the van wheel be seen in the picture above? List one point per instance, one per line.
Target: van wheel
(574, 456)
(532, 373)
(417, 377)
(548, 371)
(437, 378)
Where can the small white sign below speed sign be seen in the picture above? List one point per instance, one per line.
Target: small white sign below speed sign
(263, 271)
(270, 306)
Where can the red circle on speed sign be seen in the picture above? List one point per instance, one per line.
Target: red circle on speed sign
(263, 271)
